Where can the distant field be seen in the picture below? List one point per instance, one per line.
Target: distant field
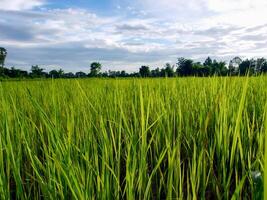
(186, 138)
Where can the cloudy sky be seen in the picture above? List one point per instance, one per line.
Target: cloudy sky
(124, 34)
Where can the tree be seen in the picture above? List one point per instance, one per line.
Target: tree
(123, 73)
(244, 67)
(184, 67)
(218, 68)
(198, 69)
(37, 72)
(169, 72)
(144, 71)
(264, 67)
(16, 73)
(234, 65)
(222, 68)
(80, 75)
(3, 54)
(56, 73)
(208, 62)
(155, 72)
(95, 69)
(260, 64)
(69, 75)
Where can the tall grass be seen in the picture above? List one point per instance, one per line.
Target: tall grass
(184, 138)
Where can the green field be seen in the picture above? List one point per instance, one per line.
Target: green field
(180, 138)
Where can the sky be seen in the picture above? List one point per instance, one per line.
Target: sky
(125, 34)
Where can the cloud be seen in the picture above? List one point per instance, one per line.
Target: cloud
(72, 38)
(9, 32)
(20, 4)
(230, 5)
(131, 27)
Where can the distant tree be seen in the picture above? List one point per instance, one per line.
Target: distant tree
(218, 68)
(53, 74)
(222, 68)
(3, 54)
(104, 74)
(155, 72)
(144, 71)
(56, 73)
(234, 65)
(208, 62)
(114, 74)
(69, 75)
(162, 72)
(16, 73)
(81, 75)
(123, 74)
(95, 69)
(264, 67)
(135, 74)
(198, 69)
(37, 72)
(61, 73)
(259, 65)
(245, 67)
(184, 67)
(169, 72)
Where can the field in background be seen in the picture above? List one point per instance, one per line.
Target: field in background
(187, 138)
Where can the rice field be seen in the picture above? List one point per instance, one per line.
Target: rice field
(173, 138)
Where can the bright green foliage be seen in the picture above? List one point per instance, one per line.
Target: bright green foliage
(180, 138)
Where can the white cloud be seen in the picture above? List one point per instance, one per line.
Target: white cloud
(211, 12)
(20, 4)
(230, 5)
(75, 37)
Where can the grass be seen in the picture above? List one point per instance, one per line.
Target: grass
(180, 138)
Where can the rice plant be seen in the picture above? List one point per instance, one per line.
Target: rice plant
(180, 138)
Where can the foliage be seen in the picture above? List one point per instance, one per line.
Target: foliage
(56, 73)
(80, 75)
(144, 71)
(185, 67)
(3, 54)
(95, 69)
(37, 72)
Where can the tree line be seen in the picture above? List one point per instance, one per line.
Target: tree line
(183, 67)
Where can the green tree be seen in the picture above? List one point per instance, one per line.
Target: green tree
(169, 72)
(37, 72)
(198, 69)
(95, 69)
(80, 75)
(155, 72)
(208, 62)
(144, 71)
(259, 65)
(17, 73)
(264, 67)
(234, 65)
(56, 73)
(3, 54)
(245, 67)
(218, 68)
(184, 67)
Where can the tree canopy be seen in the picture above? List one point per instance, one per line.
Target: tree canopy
(3, 54)
(184, 67)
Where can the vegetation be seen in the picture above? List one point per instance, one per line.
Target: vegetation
(184, 67)
(3, 54)
(186, 138)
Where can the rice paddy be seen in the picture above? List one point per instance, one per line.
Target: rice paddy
(173, 138)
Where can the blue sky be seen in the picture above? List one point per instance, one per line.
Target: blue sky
(125, 34)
